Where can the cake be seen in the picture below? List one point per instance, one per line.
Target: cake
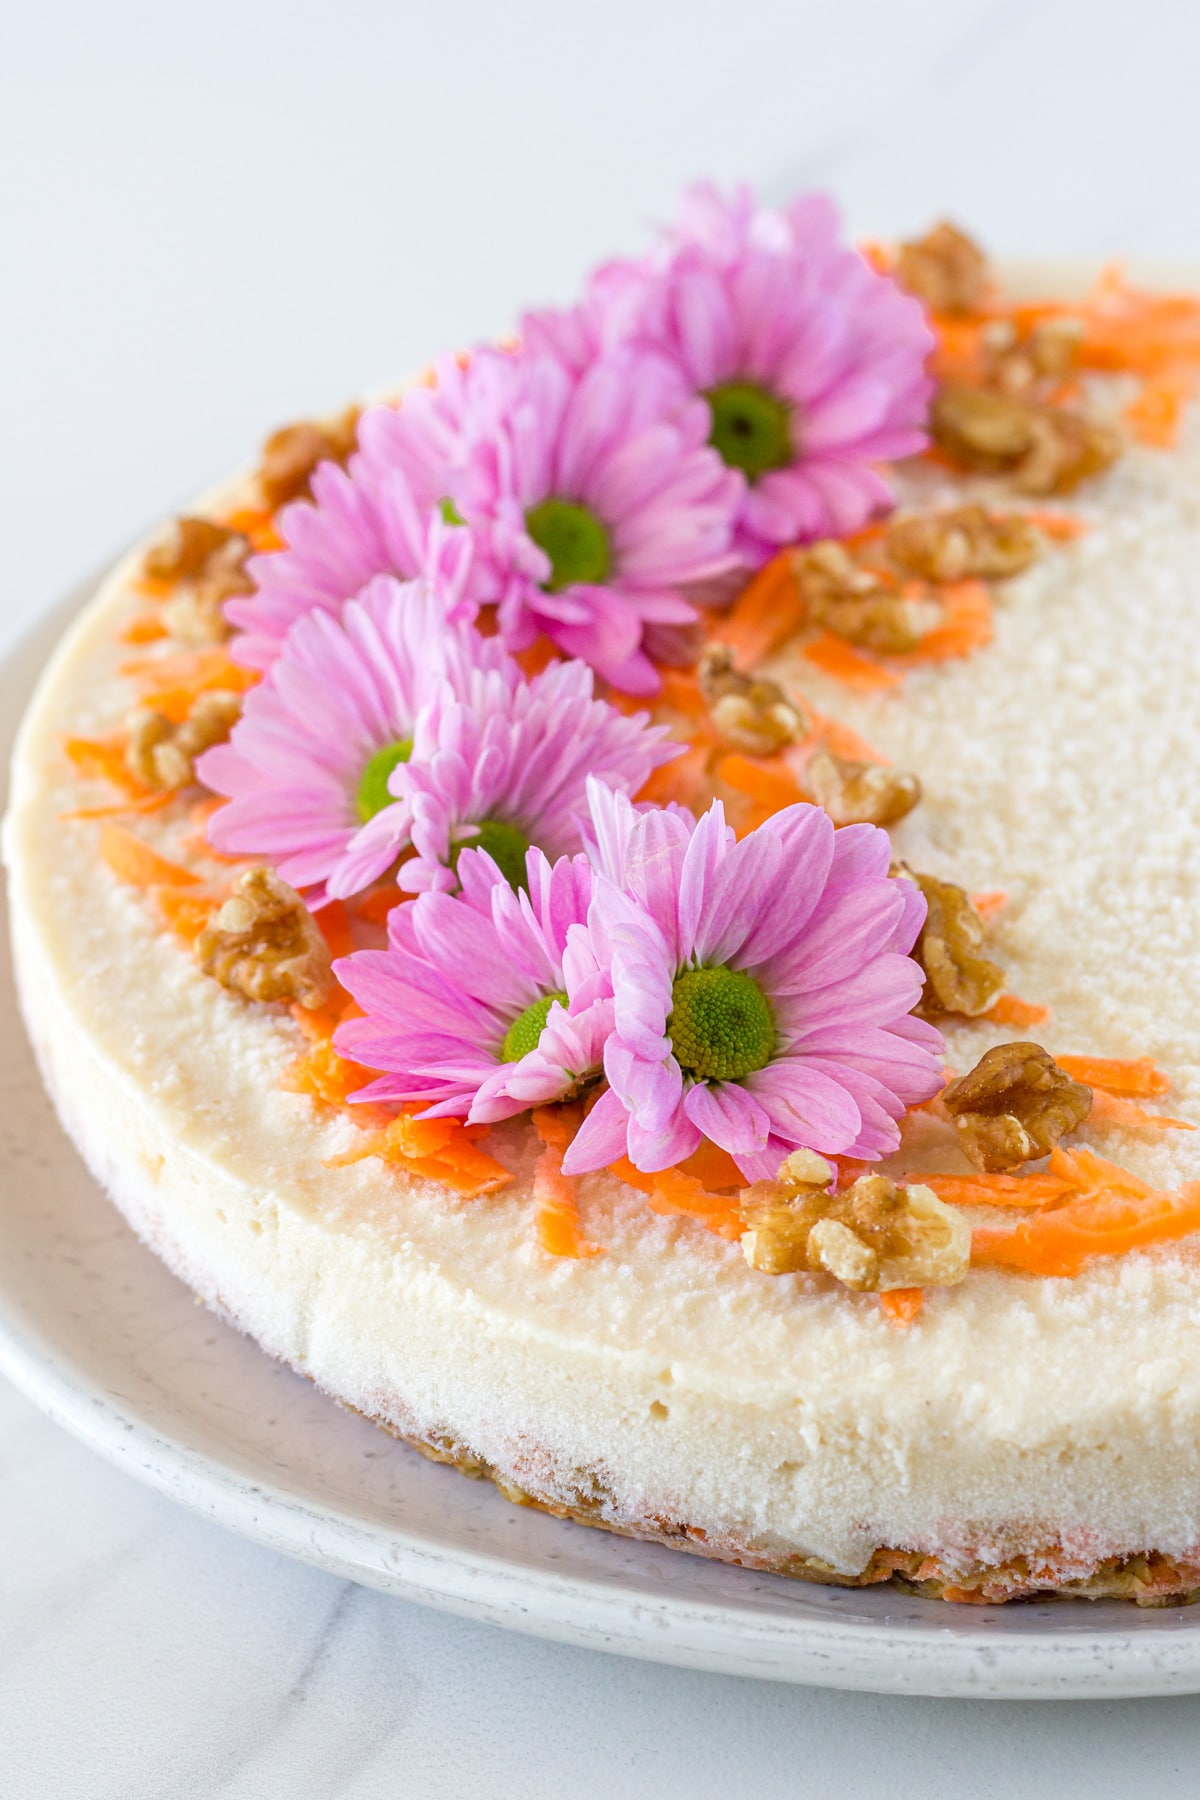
(629, 910)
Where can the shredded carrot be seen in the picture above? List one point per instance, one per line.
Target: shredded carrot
(147, 803)
(256, 524)
(1137, 1079)
(147, 628)
(556, 1208)
(902, 1305)
(1034, 1190)
(1154, 417)
(104, 760)
(154, 587)
(1096, 1223)
(377, 904)
(333, 922)
(1010, 1010)
(682, 780)
(325, 1076)
(317, 1022)
(671, 1191)
(1112, 1109)
(1062, 527)
(172, 684)
(966, 627)
(988, 904)
(681, 691)
(834, 656)
(769, 780)
(441, 1150)
(713, 1167)
(833, 735)
(131, 859)
(768, 610)
(184, 911)
(540, 654)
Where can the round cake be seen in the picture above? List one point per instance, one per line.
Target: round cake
(631, 912)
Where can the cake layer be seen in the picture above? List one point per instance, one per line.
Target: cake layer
(665, 1387)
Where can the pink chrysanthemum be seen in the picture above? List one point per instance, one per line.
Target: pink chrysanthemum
(380, 518)
(812, 364)
(347, 701)
(593, 499)
(483, 1004)
(762, 990)
(508, 767)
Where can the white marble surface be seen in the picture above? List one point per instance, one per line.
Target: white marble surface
(215, 218)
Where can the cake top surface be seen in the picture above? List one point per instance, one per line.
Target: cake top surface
(641, 759)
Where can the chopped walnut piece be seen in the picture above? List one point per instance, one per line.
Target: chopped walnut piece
(1030, 364)
(184, 549)
(748, 712)
(262, 943)
(1014, 1106)
(946, 270)
(196, 613)
(1065, 450)
(291, 454)
(162, 754)
(980, 429)
(856, 605)
(873, 1237)
(860, 793)
(1045, 450)
(957, 978)
(967, 542)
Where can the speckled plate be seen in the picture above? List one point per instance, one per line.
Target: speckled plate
(100, 1336)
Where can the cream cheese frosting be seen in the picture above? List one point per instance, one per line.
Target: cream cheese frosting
(666, 1383)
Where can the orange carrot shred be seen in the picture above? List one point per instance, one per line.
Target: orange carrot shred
(1138, 1079)
(672, 1191)
(440, 1150)
(988, 904)
(376, 905)
(131, 859)
(769, 780)
(1061, 1241)
(768, 610)
(146, 803)
(1010, 1010)
(834, 656)
(1112, 1109)
(1062, 527)
(556, 1209)
(966, 627)
(1034, 1190)
(256, 524)
(183, 910)
(902, 1305)
(146, 628)
(99, 759)
(333, 922)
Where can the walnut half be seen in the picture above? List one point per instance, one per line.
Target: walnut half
(163, 755)
(860, 793)
(748, 712)
(1014, 1106)
(873, 1237)
(946, 270)
(958, 979)
(967, 541)
(263, 944)
(856, 605)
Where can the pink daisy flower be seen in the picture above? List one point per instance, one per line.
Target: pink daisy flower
(487, 1003)
(346, 702)
(507, 767)
(813, 365)
(380, 518)
(762, 990)
(593, 499)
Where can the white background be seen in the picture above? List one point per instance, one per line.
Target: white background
(217, 218)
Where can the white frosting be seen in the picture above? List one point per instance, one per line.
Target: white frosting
(781, 1414)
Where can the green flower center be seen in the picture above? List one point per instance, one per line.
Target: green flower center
(523, 1034)
(751, 429)
(450, 512)
(720, 1025)
(373, 791)
(573, 538)
(504, 844)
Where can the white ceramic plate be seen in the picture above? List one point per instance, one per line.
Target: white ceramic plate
(100, 1336)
